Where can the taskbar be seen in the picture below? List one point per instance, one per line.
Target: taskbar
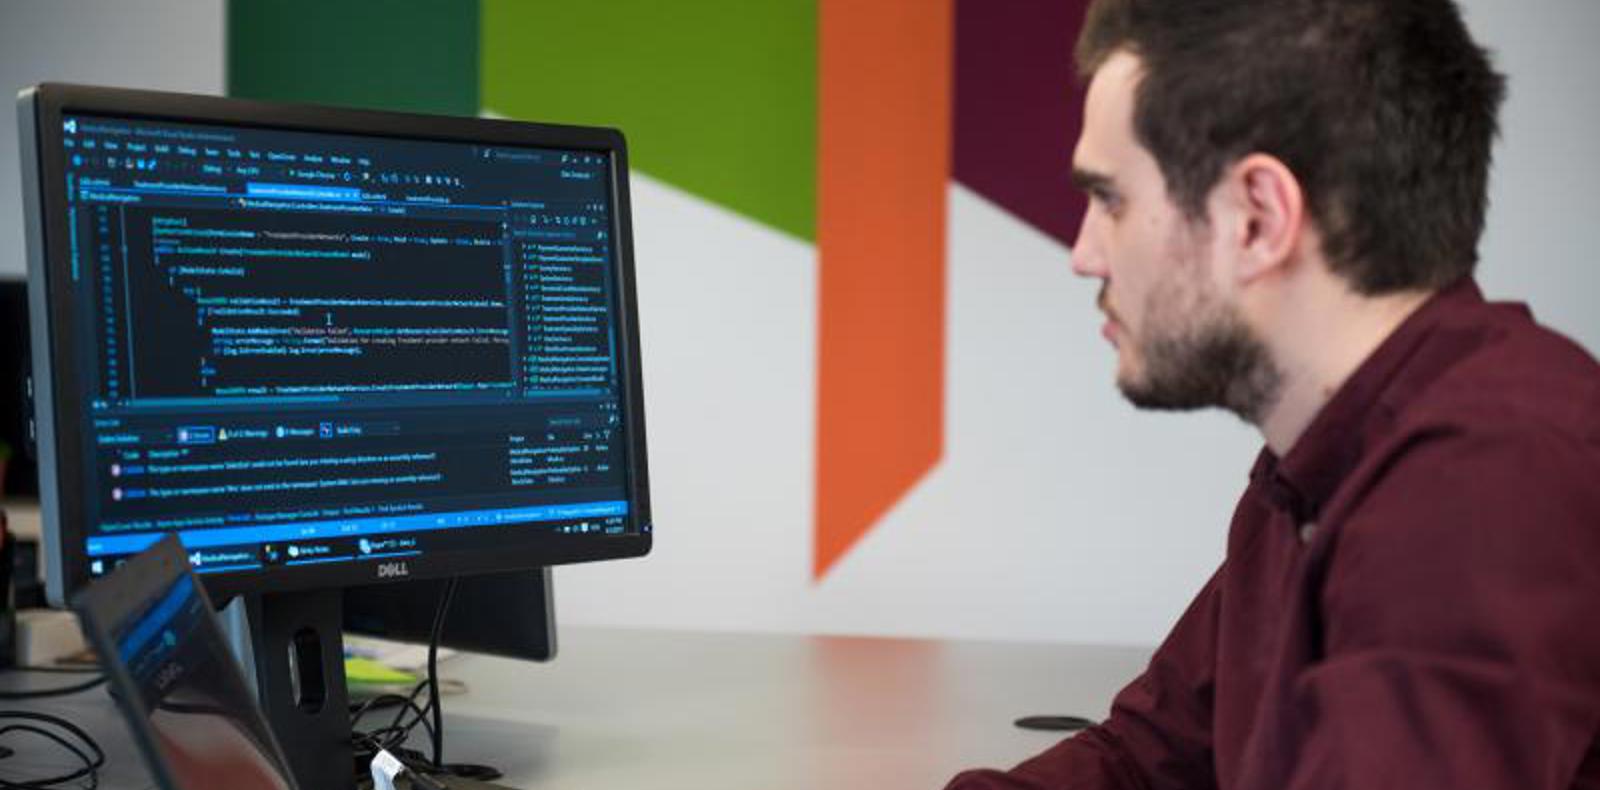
(240, 549)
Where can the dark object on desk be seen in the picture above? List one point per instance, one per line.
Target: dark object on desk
(27, 587)
(1055, 723)
(8, 608)
(449, 782)
(21, 475)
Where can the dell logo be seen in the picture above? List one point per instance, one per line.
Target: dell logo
(167, 674)
(392, 570)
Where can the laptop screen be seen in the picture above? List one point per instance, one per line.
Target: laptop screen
(202, 719)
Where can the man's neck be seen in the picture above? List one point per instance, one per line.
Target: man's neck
(1318, 343)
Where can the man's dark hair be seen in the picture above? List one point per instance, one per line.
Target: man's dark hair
(1385, 110)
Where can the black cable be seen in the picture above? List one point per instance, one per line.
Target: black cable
(59, 691)
(485, 773)
(392, 736)
(360, 710)
(388, 737)
(410, 704)
(60, 741)
(431, 684)
(433, 673)
(92, 759)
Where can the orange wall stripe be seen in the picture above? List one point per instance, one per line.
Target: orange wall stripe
(883, 151)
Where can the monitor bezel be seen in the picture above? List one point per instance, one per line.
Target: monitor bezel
(59, 394)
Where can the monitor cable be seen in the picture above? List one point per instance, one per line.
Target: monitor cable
(429, 716)
(437, 731)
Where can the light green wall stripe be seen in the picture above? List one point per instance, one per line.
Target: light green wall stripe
(717, 97)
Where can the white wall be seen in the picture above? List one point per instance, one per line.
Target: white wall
(1059, 513)
(1541, 244)
(157, 44)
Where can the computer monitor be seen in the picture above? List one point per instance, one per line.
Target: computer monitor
(327, 347)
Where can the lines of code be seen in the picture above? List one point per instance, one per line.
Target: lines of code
(274, 303)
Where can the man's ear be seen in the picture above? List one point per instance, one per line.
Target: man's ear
(1269, 211)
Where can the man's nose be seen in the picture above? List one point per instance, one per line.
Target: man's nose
(1087, 260)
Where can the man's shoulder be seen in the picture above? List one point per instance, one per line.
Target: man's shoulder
(1498, 371)
(1492, 410)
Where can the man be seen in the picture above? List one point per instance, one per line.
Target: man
(1285, 203)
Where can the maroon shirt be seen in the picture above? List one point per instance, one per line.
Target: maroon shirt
(1439, 625)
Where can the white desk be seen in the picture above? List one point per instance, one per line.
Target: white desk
(659, 709)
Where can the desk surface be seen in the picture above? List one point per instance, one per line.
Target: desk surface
(664, 709)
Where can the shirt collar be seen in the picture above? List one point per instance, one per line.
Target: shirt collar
(1331, 446)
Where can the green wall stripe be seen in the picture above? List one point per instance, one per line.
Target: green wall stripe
(414, 55)
(717, 97)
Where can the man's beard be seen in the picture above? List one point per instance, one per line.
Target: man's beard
(1211, 359)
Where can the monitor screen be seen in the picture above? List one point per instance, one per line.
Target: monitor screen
(337, 353)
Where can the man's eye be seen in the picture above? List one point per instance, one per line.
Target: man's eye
(1110, 201)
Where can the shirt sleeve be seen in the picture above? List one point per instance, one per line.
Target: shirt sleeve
(1462, 640)
(1158, 736)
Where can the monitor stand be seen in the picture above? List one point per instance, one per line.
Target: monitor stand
(297, 651)
(299, 671)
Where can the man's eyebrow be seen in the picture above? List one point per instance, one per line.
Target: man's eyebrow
(1090, 181)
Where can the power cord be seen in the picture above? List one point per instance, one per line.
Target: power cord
(397, 731)
(434, 703)
(429, 716)
(91, 755)
(392, 735)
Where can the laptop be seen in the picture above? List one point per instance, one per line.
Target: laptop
(174, 679)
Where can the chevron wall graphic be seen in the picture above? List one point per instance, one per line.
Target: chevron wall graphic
(838, 122)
